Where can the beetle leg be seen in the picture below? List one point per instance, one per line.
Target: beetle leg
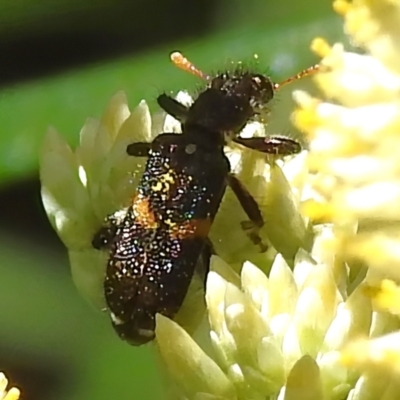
(173, 107)
(139, 149)
(203, 263)
(250, 206)
(104, 237)
(275, 145)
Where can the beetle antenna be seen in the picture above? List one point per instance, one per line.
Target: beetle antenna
(183, 63)
(302, 74)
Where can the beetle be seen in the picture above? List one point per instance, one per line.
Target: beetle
(158, 242)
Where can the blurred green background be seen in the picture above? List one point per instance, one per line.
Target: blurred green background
(61, 61)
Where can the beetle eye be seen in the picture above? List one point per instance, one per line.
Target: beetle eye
(263, 88)
(218, 82)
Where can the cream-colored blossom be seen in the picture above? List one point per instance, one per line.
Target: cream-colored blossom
(354, 139)
(276, 337)
(354, 144)
(385, 295)
(7, 394)
(382, 352)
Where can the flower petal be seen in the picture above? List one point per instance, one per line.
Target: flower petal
(245, 324)
(284, 225)
(187, 364)
(115, 114)
(282, 292)
(64, 197)
(304, 381)
(11, 394)
(88, 268)
(254, 284)
(315, 308)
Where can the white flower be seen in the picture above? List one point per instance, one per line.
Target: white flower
(276, 337)
(354, 145)
(10, 394)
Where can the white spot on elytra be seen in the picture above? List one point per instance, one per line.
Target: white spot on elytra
(115, 319)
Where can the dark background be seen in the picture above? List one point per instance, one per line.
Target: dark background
(60, 62)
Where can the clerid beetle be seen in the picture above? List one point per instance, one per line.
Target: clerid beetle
(157, 242)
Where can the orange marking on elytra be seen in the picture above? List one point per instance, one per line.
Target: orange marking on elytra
(198, 228)
(144, 216)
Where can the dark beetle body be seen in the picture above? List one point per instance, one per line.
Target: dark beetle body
(155, 247)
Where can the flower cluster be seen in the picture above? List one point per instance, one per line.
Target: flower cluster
(353, 152)
(314, 317)
(274, 337)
